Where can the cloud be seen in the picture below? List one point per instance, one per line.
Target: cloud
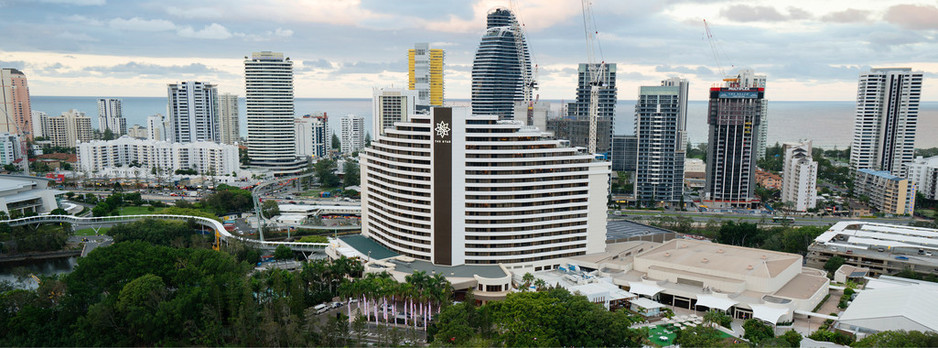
(213, 31)
(140, 24)
(76, 2)
(700, 70)
(283, 32)
(84, 20)
(76, 37)
(914, 17)
(850, 15)
(797, 13)
(372, 67)
(310, 65)
(195, 12)
(15, 64)
(746, 13)
(174, 71)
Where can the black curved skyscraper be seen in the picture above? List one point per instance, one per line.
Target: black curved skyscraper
(497, 78)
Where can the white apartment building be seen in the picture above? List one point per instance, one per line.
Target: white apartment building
(268, 79)
(137, 132)
(156, 127)
(799, 176)
(886, 120)
(192, 112)
(353, 133)
(10, 148)
(39, 123)
(203, 157)
(924, 173)
(69, 129)
(453, 188)
(312, 136)
(391, 105)
(111, 117)
(228, 119)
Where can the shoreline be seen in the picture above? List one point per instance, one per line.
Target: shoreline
(37, 256)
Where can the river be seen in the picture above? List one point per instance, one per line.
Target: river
(18, 272)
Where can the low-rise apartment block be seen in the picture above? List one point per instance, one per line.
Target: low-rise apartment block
(888, 193)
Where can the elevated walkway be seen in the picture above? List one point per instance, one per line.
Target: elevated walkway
(221, 235)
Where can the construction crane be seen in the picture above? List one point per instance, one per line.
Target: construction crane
(716, 53)
(596, 72)
(529, 82)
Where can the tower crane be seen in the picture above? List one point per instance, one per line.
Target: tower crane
(596, 72)
(716, 53)
(529, 82)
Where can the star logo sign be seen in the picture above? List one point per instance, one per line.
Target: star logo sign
(442, 129)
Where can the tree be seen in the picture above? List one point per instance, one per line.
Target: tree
(699, 336)
(719, 318)
(108, 134)
(336, 143)
(11, 168)
(270, 208)
(793, 338)
(757, 331)
(351, 177)
(367, 139)
(900, 338)
(243, 156)
(834, 263)
(283, 252)
(325, 172)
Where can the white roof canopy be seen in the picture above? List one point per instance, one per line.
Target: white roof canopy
(715, 302)
(767, 313)
(644, 289)
(646, 303)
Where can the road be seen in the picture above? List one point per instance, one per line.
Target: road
(91, 242)
(704, 217)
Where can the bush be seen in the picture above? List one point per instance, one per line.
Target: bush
(829, 336)
(757, 331)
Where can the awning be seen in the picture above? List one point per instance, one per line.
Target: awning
(646, 303)
(767, 313)
(644, 289)
(715, 302)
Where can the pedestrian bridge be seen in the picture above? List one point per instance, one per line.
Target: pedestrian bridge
(221, 235)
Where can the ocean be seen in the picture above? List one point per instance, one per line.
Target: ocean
(828, 124)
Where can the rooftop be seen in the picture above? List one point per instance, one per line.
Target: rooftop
(619, 230)
(885, 174)
(462, 271)
(802, 286)
(368, 247)
(683, 253)
(909, 307)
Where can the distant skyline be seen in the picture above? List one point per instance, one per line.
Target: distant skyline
(809, 50)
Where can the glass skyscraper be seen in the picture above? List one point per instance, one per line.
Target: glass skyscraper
(497, 75)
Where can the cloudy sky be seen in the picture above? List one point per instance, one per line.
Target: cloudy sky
(810, 50)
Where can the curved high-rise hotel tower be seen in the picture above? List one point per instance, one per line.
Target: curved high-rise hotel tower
(497, 75)
(453, 188)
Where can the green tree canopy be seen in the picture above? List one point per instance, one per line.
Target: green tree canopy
(757, 331)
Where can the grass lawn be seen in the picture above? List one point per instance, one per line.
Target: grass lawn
(926, 212)
(90, 232)
(315, 192)
(138, 210)
(655, 334)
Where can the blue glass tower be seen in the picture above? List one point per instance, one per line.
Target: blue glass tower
(497, 75)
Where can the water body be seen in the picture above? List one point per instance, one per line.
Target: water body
(828, 124)
(9, 271)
